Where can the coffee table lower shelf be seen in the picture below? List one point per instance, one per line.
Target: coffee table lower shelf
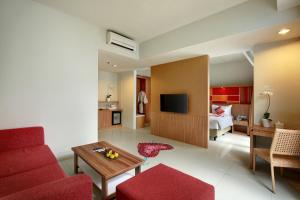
(106, 173)
(111, 183)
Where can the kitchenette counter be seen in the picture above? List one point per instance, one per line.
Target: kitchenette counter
(105, 117)
(112, 109)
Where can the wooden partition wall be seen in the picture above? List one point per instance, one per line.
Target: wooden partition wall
(186, 76)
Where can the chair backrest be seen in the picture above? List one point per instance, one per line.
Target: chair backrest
(286, 142)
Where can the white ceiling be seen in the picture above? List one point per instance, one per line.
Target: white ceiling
(141, 19)
(228, 58)
(285, 4)
(146, 19)
(229, 46)
(244, 41)
(123, 63)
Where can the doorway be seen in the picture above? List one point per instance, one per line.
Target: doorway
(143, 101)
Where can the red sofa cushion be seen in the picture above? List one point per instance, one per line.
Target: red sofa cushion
(11, 139)
(25, 180)
(25, 159)
(77, 187)
(163, 182)
(29, 170)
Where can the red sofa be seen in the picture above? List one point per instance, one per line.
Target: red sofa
(29, 170)
(163, 182)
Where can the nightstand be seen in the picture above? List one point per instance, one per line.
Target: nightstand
(241, 123)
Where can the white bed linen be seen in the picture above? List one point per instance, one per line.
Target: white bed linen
(220, 122)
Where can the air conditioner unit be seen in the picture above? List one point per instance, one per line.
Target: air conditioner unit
(121, 41)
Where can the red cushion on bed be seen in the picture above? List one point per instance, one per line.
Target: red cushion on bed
(163, 182)
(219, 111)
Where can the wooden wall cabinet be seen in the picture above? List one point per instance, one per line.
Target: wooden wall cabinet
(104, 119)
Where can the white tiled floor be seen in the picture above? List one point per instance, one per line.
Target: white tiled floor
(224, 164)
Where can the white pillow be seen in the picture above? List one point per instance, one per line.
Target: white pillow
(213, 108)
(227, 109)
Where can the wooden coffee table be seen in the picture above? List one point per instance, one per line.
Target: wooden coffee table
(107, 168)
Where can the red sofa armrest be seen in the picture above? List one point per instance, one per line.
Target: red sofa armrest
(21, 137)
(77, 187)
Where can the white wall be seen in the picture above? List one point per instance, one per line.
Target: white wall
(127, 98)
(108, 84)
(277, 65)
(48, 73)
(231, 73)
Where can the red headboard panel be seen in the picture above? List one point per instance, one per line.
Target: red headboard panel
(231, 95)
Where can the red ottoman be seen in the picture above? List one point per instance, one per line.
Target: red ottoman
(164, 183)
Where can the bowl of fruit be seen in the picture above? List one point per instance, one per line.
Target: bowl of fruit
(111, 154)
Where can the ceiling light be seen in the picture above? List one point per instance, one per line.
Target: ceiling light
(284, 31)
(115, 65)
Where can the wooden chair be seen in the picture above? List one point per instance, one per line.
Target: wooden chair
(284, 152)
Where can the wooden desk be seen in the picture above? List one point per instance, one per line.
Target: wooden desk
(258, 130)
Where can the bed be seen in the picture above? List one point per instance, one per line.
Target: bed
(219, 124)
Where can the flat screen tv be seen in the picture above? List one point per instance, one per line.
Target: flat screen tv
(177, 103)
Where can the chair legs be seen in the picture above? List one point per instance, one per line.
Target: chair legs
(254, 162)
(281, 171)
(273, 178)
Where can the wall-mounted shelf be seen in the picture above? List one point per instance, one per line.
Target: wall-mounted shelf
(231, 95)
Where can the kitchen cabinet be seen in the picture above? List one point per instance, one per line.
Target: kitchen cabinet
(105, 118)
